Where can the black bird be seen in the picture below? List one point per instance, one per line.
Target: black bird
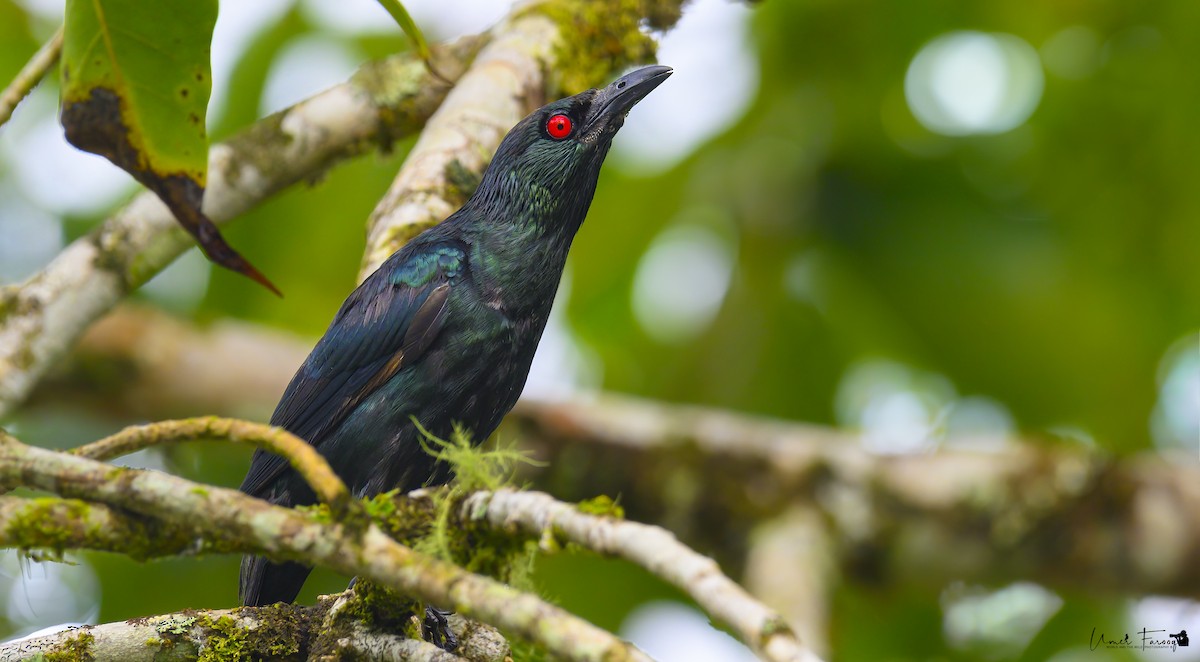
(445, 330)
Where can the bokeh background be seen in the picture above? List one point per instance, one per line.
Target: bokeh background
(916, 219)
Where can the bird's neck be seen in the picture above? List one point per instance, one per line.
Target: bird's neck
(522, 232)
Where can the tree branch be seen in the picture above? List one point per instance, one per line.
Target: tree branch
(791, 564)
(55, 524)
(30, 75)
(1063, 516)
(277, 632)
(656, 550)
(147, 364)
(41, 318)
(301, 455)
(61, 524)
(353, 548)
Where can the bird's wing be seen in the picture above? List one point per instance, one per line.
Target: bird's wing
(384, 325)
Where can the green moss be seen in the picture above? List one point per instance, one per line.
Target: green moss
(603, 506)
(773, 627)
(601, 37)
(461, 182)
(279, 634)
(116, 473)
(524, 651)
(473, 546)
(392, 80)
(46, 523)
(225, 641)
(75, 649)
(56, 525)
(259, 146)
(8, 300)
(381, 607)
(24, 359)
(174, 625)
(405, 520)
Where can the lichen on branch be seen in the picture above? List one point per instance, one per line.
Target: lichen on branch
(359, 549)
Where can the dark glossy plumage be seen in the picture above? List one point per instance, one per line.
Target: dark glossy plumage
(446, 329)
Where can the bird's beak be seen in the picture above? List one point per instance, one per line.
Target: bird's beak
(613, 103)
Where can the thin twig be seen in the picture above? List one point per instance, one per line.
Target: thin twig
(30, 75)
(305, 459)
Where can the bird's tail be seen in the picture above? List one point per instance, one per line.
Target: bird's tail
(265, 583)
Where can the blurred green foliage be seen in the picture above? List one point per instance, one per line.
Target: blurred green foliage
(1048, 267)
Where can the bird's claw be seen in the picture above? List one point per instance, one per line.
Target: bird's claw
(436, 629)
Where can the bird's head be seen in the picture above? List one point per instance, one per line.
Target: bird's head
(552, 158)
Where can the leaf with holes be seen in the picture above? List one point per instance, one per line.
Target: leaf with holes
(136, 81)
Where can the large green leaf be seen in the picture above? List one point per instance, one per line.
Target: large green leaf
(136, 85)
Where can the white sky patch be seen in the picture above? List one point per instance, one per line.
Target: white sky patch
(681, 281)
(304, 67)
(438, 19)
(964, 83)
(29, 237)
(1002, 622)
(897, 409)
(1175, 422)
(238, 24)
(978, 423)
(352, 16)
(50, 172)
(50, 9)
(672, 632)
(715, 80)
(43, 594)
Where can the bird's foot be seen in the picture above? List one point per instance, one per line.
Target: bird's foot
(436, 629)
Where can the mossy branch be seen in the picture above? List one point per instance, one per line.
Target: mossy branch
(279, 632)
(230, 517)
(57, 525)
(301, 455)
(72, 524)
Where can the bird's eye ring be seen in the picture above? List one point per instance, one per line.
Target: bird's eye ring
(558, 126)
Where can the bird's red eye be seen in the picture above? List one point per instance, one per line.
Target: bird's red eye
(559, 127)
